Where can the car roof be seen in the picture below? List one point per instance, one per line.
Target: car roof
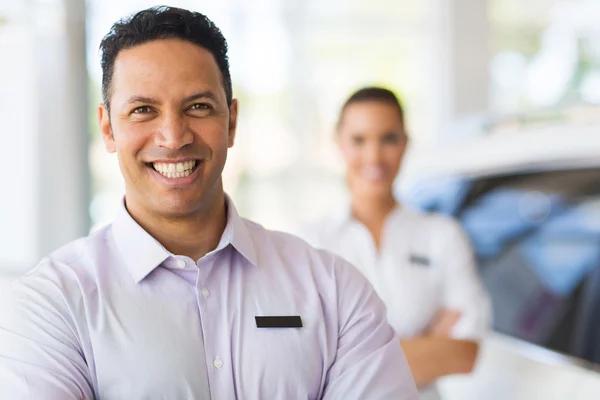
(541, 148)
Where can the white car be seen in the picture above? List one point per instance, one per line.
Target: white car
(530, 202)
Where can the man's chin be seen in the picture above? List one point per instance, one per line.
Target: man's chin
(174, 202)
(181, 203)
(175, 210)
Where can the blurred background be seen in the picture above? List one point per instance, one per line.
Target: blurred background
(503, 108)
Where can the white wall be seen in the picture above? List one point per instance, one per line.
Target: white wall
(459, 62)
(18, 113)
(43, 109)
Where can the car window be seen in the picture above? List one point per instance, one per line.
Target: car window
(536, 237)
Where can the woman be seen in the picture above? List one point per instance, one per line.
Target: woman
(421, 265)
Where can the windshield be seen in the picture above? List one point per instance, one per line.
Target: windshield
(537, 240)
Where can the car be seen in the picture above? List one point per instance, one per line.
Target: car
(530, 202)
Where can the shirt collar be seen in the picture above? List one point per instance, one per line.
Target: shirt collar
(142, 253)
(237, 234)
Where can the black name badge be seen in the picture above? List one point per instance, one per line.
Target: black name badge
(278, 322)
(419, 260)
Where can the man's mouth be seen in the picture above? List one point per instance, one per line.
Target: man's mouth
(175, 170)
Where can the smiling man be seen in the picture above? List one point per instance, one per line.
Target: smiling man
(180, 298)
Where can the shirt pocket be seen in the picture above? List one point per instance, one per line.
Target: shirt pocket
(282, 362)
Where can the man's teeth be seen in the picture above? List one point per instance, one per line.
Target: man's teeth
(175, 170)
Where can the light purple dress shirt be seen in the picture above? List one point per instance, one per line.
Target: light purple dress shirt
(117, 316)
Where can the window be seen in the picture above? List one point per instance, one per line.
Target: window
(546, 54)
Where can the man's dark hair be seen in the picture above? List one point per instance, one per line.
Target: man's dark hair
(373, 93)
(163, 22)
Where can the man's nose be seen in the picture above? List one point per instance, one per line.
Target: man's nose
(174, 132)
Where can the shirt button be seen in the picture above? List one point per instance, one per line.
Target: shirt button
(218, 363)
(181, 263)
(205, 292)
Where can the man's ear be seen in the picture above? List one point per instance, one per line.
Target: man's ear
(106, 129)
(233, 114)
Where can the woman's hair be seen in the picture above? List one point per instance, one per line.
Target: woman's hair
(373, 93)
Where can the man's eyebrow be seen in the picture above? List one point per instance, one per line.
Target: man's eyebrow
(206, 94)
(142, 99)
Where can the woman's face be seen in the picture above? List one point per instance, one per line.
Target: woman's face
(372, 140)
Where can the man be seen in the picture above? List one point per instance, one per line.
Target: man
(180, 298)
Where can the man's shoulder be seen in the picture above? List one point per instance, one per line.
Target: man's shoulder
(264, 237)
(70, 260)
(324, 231)
(81, 249)
(318, 270)
(296, 250)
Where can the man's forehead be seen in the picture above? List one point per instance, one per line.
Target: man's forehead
(166, 65)
(167, 55)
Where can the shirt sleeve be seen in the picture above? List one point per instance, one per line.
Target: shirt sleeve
(40, 357)
(463, 289)
(369, 363)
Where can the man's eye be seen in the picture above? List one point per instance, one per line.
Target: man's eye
(142, 110)
(200, 106)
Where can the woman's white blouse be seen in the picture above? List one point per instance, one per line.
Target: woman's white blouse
(425, 264)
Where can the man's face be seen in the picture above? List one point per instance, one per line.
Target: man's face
(170, 125)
